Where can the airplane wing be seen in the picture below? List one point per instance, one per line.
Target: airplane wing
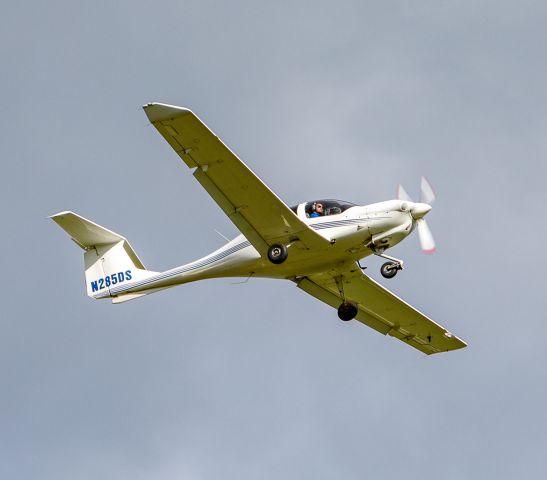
(381, 310)
(255, 210)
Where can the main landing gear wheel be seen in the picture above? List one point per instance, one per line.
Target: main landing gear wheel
(390, 269)
(277, 253)
(347, 311)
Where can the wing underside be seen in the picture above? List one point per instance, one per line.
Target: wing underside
(255, 210)
(381, 310)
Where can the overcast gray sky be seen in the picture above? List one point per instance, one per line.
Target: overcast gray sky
(322, 99)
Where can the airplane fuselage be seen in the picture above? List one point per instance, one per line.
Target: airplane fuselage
(353, 234)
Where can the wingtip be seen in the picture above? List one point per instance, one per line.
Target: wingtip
(60, 214)
(161, 111)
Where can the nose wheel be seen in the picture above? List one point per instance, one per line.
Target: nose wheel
(390, 269)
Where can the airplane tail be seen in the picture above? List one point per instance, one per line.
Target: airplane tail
(109, 258)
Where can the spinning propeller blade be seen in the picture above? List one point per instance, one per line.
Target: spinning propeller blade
(427, 197)
(426, 238)
(402, 195)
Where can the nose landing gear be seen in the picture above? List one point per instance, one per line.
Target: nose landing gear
(389, 269)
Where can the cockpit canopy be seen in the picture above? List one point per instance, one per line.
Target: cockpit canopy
(329, 207)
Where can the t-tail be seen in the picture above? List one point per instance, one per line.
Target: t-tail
(109, 259)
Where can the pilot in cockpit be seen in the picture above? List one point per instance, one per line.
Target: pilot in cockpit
(317, 211)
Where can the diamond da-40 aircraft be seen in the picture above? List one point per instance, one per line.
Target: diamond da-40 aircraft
(317, 245)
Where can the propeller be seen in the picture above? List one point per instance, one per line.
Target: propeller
(427, 195)
(418, 212)
(426, 237)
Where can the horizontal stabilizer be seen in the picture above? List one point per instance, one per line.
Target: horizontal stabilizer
(88, 234)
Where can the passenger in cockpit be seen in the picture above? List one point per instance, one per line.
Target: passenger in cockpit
(317, 211)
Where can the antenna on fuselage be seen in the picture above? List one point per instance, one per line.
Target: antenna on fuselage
(223, 236)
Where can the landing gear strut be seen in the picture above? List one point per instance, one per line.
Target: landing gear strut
(347, 310)
(278, 253)
(389, 269)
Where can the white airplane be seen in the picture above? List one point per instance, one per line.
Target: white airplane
(316, 244)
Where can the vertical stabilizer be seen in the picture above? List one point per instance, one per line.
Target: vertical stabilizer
(109, 258)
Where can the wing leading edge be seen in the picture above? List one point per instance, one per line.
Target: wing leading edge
(382, 310)
(255, 210)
